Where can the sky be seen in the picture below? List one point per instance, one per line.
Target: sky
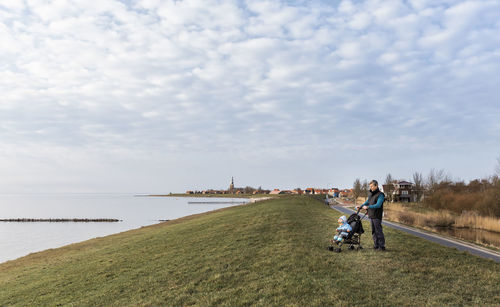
(166, 96)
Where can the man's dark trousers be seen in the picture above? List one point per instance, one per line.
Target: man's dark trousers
(377, 234)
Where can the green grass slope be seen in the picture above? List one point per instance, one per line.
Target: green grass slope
(267, 253)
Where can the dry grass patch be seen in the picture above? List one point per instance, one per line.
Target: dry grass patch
(416, 216)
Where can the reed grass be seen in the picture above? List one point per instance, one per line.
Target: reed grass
(478, 222)
(407, 215)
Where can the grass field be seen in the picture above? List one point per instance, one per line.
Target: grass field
(268, 253)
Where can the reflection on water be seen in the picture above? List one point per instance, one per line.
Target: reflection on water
(475, 235)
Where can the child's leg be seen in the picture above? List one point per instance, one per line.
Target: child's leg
(343, 235)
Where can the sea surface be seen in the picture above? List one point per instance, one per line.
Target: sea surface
(18, 239)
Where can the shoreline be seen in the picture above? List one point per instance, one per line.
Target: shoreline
(60, 220)
(248, 196)
(153, 224)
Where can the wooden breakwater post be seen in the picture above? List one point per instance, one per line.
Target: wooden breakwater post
(58, 220)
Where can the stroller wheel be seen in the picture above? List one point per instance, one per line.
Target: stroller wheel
(338, 250)
(351, 247)
(360, 247)
(330, 248)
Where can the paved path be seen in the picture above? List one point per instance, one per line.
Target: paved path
(460, 245)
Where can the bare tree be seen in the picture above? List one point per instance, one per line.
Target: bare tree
(248, 190)
(419, 185)
(365, 188)
(497, 168)
(356, 189)
(435, 178)
(389, 187)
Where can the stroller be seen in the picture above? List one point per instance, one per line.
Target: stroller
(354, 237)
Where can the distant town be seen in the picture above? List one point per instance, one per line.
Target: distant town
(334, 192)
(396, 191)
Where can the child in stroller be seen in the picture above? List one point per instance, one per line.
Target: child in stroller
(343, 230)
(349, 232)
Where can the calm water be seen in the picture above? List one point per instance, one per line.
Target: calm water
(475, 235)
(20, 239)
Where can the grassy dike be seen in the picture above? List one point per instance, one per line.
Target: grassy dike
(268, 253)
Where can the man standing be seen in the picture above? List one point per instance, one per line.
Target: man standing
(375, 206)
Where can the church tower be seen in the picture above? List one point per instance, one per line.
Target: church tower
(231, 186)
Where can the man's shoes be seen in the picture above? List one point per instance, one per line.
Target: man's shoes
(381, 249)
(375, 248)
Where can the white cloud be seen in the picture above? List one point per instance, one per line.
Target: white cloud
(255, 79)
(360, 21)
(346, 7)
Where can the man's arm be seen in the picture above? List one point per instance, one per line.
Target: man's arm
(380, 201)
(363, 205)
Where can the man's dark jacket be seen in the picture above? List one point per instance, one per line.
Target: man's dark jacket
(372, 200)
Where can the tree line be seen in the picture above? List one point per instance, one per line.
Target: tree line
(438, 191)
(481, 196)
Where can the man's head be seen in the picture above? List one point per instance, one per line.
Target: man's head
(373, 185)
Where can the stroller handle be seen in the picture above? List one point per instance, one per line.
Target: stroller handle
(359, 209)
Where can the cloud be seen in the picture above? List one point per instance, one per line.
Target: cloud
(257, 79)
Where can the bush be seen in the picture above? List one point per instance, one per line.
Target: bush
(480, 196)
(406, 218)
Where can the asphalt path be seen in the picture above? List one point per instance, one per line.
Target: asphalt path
(460, 245)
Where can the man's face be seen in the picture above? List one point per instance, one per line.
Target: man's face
(372, 187)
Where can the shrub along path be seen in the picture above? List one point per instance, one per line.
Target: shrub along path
(267, 253)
